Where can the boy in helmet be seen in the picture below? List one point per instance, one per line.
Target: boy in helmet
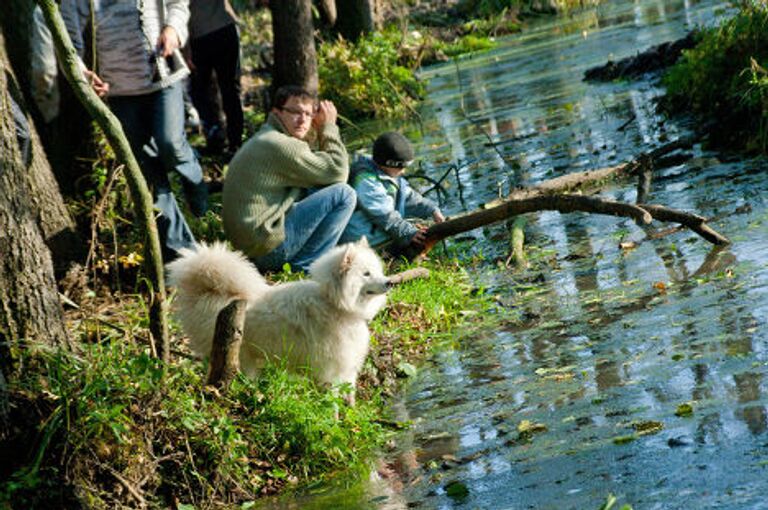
(384, 198)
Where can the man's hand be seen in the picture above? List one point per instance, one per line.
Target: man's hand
(99, 86)
(168, 41)
(438, 217)
(326, 114)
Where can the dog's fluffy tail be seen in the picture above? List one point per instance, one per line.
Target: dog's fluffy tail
(207, 279)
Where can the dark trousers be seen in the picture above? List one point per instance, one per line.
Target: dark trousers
(218, 51)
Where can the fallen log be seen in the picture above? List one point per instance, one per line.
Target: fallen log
(595, 178)
(564, 203)
(693, 221)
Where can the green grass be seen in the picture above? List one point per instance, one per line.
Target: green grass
(111, 414)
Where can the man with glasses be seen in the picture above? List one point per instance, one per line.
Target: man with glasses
(284, 200)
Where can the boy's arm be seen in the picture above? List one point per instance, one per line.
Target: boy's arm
(418, 206)
(379, 208)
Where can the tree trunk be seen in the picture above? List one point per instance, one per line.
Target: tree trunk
(227, 337)
(355, 18)
(57, 226)
(295, 55)
(327, 10)
(29, 303)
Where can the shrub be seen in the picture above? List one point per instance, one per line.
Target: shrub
(723, 80)
(368, 78)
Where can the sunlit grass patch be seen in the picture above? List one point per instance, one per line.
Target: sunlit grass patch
(113, 413)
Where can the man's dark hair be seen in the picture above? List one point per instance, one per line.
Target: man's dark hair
(284, 93)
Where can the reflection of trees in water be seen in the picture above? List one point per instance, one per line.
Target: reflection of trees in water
(709, 429)
(748, 389)
(607, 374)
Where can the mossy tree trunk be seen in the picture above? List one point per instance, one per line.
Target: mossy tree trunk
(29, 304)
(295, 54)
(58, 228)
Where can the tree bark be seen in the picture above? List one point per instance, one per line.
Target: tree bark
(58, 228)
(29, 303)
(142, 198)
(295, 55)
(227, 337)
(355, 18)
(328, 12)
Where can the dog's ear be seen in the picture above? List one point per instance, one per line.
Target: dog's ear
(346, 259)
(363, 242)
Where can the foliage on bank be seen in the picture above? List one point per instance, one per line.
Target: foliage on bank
(108, 426)
(368, 78)
(375, 77)
(723, 81)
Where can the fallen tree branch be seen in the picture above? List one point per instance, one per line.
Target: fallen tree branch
(538, 202)
(593, 178)
(134, 491)
(564, 203)
(693, 221)
(410, 274)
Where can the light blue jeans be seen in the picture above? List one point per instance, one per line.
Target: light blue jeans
(154, 126)
(312, 227)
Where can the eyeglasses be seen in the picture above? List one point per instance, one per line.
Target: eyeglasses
(300, 113)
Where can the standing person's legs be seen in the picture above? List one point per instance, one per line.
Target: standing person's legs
(135, 115)
(205, 55)
(174, 149)
(312, 227)
(227, 68)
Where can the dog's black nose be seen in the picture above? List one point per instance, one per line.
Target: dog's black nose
(390, 284)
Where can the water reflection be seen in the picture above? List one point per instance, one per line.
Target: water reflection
(612, 339)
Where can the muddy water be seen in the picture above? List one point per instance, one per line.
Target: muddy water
(636, 372)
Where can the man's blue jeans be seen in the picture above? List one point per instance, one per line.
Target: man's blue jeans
(154, 126)
(312, 227)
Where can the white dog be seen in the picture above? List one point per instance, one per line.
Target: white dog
(319, 323)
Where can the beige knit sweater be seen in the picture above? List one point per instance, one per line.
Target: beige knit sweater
(268, 174)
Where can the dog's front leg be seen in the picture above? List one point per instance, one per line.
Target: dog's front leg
(346, 391)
